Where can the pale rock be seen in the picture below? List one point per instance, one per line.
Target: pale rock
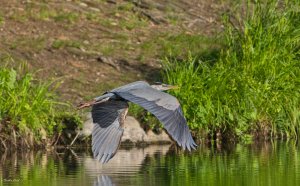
(83, 4)
(133, 132)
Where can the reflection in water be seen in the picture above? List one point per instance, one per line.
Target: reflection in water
(103, 180)
(125, 161)
(257, 164)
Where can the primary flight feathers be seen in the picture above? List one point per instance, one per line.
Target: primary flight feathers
(109, 112)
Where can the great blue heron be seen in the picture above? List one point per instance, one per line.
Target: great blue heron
(110, 109)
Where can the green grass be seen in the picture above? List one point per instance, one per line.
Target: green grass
(2, 20)
(147, 120)
(132, 21)
(253, 87)
(123, 16)
(28, 107)
(58, 43)
(69, 17)
(179, 45)
(127, 17)
(25, 104)
(43, 12)
(29, 44)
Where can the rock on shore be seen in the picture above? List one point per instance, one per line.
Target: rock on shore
(133, 132)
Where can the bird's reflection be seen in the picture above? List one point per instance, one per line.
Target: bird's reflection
(103, 180)
(124, 160)
(127, 162)
(65, 163)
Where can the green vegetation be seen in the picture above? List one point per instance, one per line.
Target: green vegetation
(252, 88)
(128, 18)
(242, 83)
(132, 21)
(28, 44)
(26, 106)
(180, 45)
(41, 11)
(146, 118)
(1, 19)
(57, 44)
(28, 110)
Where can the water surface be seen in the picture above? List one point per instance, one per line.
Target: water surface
(258, 164)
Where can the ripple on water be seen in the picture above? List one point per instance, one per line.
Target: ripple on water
(257, 164)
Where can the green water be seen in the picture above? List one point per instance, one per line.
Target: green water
(258, 164)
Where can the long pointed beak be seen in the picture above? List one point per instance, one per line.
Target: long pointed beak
(173, 87)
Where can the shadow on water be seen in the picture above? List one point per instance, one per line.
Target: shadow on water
(257, 164)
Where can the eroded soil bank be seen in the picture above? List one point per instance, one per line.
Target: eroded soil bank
(91, 46)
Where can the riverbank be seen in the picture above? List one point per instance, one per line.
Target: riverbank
(76, 50)
(239, 80)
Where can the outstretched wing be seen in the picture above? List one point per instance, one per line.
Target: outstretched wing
(164, 106)
(108, 118)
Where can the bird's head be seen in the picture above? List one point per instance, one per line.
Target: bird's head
(163, 87)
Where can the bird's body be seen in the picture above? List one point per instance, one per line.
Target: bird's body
(110, 109)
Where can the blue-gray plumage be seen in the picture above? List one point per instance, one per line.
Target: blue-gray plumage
(103, 180)
(109, 112)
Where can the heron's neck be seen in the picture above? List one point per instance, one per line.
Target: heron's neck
(157, 87)
(107, 95)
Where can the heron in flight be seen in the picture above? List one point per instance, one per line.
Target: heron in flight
(110, 109)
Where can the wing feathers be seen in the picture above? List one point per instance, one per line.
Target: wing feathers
(106, 142)
(108, 116)
(107, 131)
(173, 120)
